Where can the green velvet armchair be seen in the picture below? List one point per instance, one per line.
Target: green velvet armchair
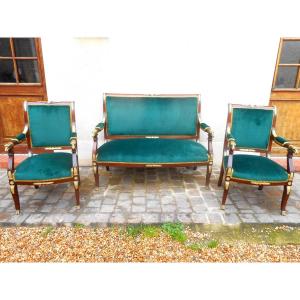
(252, 129)
(52, 148)
(152, 131)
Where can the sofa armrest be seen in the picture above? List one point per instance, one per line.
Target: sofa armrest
(231, 143)
(99, 127)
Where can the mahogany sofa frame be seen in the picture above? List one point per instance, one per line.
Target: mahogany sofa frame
(208, 130)
(75, 178)
(230, 147)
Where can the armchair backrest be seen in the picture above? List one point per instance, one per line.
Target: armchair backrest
(136, 115)
(49, 124)
(251, 126)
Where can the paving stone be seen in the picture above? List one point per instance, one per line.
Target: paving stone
(107, 208)
(138, 208)
(248, 218)
(117, 218)
(199, 218)
(148, 218)
(184, 218)
(215, 218)
(231, 219)
(168, 217)
(94, 203)
(139, 200)
(35, 219)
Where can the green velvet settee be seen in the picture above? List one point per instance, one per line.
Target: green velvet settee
(151, 131)
(251, 130)
(52, 148)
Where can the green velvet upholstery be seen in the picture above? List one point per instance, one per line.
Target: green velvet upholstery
(281, 140)
(151, 115)
(46, 166)
(143, 150)
(20, 137)
(100, 126)
(256, 168)
(204, 126)
(251, 127)
(50, 125)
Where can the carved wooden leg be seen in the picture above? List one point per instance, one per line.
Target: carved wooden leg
(221, 175)
(285, 198)
(208, 174)
(107, 168)
(260, 187)
(96, 174)
(225, 193)
(76, 185)
(77, 197)
(15, 195)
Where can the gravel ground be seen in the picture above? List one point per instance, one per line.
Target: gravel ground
(119, 244)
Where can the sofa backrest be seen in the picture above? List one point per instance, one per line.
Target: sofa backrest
(251, 126)
(151, 115)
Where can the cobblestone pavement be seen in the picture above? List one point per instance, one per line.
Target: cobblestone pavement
(130, 196)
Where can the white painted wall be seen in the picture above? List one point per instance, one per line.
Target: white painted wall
(225, 50)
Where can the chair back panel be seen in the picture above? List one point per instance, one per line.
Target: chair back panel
(251, 127)
(151, 115)
(50, 125)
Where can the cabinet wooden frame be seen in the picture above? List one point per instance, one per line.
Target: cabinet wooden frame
(75, 176)
(230, 147)
(196, 136)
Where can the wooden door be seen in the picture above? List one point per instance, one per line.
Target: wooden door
(22, 78)
(285, 93)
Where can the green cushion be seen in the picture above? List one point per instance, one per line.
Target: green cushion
(251, 128)
(45, 166)
(152, 151)
(50, 125)
(256, 168)
(151, 115)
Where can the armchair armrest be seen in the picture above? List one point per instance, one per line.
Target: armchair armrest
(281, 141)
(98, 128)
(15, 141)
(73, 140)
(206, 128)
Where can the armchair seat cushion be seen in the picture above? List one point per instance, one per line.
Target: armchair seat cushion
(256, 168)
(147, 150)
(46, 166)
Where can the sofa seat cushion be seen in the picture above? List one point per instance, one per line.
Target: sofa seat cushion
(46, 166)
(256, 168)
(145, 150)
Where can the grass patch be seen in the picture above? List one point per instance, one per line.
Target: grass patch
(151, 231)
(212, 244)
(79, 225)
(145, 230)
(175, 231)
(47, 230)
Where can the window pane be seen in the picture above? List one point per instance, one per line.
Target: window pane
(7, 71)
(286, 77)
(290, 52)
(5, 47)
(28, 71)
(24, 47)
